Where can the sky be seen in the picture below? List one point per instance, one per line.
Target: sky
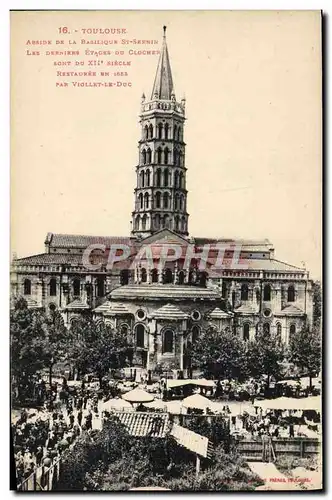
(252, 82)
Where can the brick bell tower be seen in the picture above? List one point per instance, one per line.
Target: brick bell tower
(160, 194)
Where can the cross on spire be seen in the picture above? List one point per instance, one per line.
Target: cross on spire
(163, 82)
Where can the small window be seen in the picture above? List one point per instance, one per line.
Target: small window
(195, 333)
(143, 275)
(196, 315)
(168, 341)
(266, 329)
(291, 294)
(246, 329)
(100, 286)
(267, 293)
(141, 314)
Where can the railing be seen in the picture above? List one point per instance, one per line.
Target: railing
(42, 479)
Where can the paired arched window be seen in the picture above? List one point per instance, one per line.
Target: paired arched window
(140, 200)
(176, 201)
(179, 137)
(146, 132)
(147, 178)
(140, 335)
(100, 286)
(146, 200)
(141, 178)
(160, 130)
(166, 130)
(166, 175)
(181, 202)
(176, 179)
(175, 133)
(148, 155)
(27, 287)
(244, 291)
(267, 293)
(76, 287)
(183, 224)
(166, 221)
(246, 330)
(144, 156)
(124, 277)
(158, 177)
(168, 276)
(168, 341)
(158, 199)
(52, 287)
(166, 200)
(159, 155)
(137, 221)
(181, 183)
(176, 223)
(291, 294)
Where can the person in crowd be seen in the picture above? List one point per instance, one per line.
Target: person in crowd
(79, 417)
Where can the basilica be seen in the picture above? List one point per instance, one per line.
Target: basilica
(163, 307)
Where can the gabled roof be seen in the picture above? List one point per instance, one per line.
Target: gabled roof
(217, 313)
(59, 240)
(116, 308)
(246, 308)
(141, 424)
(170, 311)
(292, 310)
(76, 305)
(165, 236)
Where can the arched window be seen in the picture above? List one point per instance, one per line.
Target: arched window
(27, 287)
(195, 331)
(124, 329)
(168, 276)
(100, 286)
(181, 180)
(137, 221)
(53, 287)
(181, 203)
(157, 219)
(168, 341)
(166, 174)
(154, 275)
(159, 156)
(166, 130)
(148, 156)
(176, 201)
(266, 329)
(180, 159)
(179, 134)
(143, 275)
(147, 178)
(181, 277)
(246, 329)
(224, 289)
(76, 287)
(202, 278)
(279, 330)
(175, 133)
(140, 200)
(175, 158)
(144, 156)
(244, 292)
(258, 296)
(141, 178)
(146, 200)
(140, 335)
(166, 153)
(158, 199)
(176, 179)
(124, 277)
(160, 130)
(165, 199)
(144, 222)
(151, 130)
(291, 294)
(267, 293)
(292, 330)
(158, 177)
(146, 132)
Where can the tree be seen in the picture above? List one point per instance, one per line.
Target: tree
(305, 351)
(97, 347)
(317, 303)
(264, 356)
(56, 340)
(219, 354)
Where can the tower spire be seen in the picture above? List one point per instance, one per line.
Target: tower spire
(163, 82)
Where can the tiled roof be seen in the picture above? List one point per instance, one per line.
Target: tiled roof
(83, 241)
(291, 310)
(76, 304)
(157, 291)
(50, 258)
(217, 313)
(246, 308)
(141, 424)
(169, 311)
(116, 308)
(253, 264)
(259, 244)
